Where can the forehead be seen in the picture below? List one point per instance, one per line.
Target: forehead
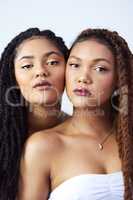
(38, 45)
(91, 49)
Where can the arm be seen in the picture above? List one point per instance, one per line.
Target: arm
(35, 170)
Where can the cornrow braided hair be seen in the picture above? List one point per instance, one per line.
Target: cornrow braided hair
(13, 115)
(124, 115)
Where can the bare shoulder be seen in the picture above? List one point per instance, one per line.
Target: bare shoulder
(36, 164)
(46, 143)
(41, 144)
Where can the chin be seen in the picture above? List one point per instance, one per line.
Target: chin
(45, 101)
(83, 103)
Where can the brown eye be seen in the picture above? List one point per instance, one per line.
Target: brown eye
(52, 63)
(73, 65)
(100, 68)
(27, 66)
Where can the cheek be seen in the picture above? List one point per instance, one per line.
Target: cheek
(58, 79)
(20, 78)
(105, 87)
(23, 82)
(70, 79)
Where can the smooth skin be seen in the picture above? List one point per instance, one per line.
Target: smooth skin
(51, 157)
(38, 59)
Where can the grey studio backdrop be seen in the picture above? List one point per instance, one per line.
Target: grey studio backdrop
(66, 18)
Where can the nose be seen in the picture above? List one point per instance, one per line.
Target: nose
(41, 71)
(82, 79)
(85, 77)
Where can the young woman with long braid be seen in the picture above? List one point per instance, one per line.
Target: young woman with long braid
(89, 156)
(32, 71)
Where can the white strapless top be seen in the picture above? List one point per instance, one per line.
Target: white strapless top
(91, 187)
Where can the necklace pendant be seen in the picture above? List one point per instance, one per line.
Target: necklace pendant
(100, 146)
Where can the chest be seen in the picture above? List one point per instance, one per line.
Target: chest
(84, 156)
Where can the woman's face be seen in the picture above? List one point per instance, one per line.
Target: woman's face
(40, 71)
(90, 74)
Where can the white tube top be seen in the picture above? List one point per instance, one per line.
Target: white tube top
(91, 187)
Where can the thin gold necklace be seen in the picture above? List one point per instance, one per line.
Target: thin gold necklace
(100, 144)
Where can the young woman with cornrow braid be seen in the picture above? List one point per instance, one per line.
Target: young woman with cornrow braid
(89, 156)
(32, 71)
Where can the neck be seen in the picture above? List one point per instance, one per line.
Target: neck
(41, 117)
(95, 123)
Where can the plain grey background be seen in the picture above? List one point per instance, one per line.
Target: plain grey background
(66, 18)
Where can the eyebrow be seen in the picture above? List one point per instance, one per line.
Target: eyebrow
(95, 60)
(53, 52)
(75, 57)
(45, 55)
(102, 59)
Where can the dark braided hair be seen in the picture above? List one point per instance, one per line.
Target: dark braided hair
(13, 119)
(124, 100)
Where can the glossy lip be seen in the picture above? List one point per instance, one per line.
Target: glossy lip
(82, 92)
(42, 85)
